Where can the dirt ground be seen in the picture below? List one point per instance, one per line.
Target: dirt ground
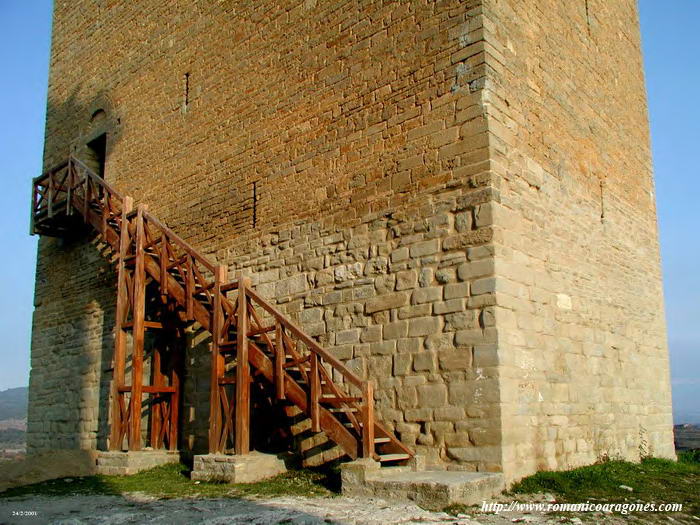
(136, 508)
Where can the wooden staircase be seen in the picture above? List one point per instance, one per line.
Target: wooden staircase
(164, 284)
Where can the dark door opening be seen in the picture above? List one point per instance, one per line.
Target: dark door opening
(96, 154)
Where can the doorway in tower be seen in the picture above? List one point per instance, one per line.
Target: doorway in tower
(95, 154)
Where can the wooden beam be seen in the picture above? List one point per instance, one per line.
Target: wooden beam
(189, 287)
(242, 433)
(368, 420)
(119, 357)
(217, 364)
(151, 389)
(138, 313)
(158, 381)
(314, 394)
(280, 356)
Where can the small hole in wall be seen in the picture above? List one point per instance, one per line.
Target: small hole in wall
(588, 17)
(602, 201)
(186, 92)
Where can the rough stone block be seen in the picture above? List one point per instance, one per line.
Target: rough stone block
(386, 302)
(247, 468)
(423, 326)
(115, 463)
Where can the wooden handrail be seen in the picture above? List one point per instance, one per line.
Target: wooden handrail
(182, 243)
(96, 178)
(310, 343)
(50, 171)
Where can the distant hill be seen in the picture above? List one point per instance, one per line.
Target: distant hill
(13, 403)
(686, 437)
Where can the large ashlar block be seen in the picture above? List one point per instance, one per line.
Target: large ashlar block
(247, 468)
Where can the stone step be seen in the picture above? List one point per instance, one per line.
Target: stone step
(431, 489)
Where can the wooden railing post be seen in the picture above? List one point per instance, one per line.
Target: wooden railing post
(69, 188)
(139, 317)
(35, 206)
(49, 193)
(368, 420)
(314, 393)
(164, 259)
(217, 362)
(86, 197)
(119, 358)
(242, 415)
(280, 354)
(189, 288)
(175, 397)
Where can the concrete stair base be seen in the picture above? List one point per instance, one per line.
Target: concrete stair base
(115, 463)
(431, 489)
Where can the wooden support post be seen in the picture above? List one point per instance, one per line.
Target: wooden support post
(217, 362)
(177, 354)
(368, 420)
(242, 415)
(280, 354)
(158, 380)
(139, 317)
(119, 357)
(315, 394)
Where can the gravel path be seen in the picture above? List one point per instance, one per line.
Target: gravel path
(137, 508)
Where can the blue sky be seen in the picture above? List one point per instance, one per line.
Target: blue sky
(671, 51)
(671, 55)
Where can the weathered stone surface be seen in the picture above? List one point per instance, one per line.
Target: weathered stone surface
(384, 195)
(247, 468)
(386, 302)
(128, 463)
(423, 326)
(429, 488)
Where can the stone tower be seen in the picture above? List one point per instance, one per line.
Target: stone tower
(454, 197)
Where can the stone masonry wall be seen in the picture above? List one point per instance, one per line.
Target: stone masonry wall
(583, 359)
(454, 197)
(359, 127)
(401, 298)
(71, 346)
